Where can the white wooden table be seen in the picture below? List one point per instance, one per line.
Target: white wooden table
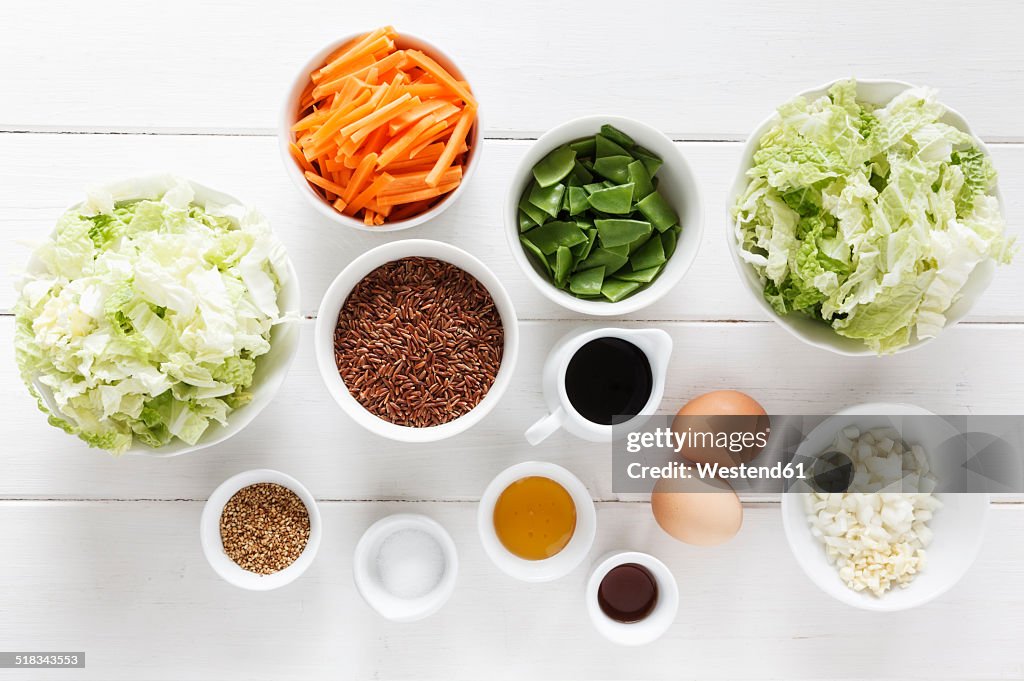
(103, 555)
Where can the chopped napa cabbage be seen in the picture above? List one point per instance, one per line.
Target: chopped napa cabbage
(870, 219)
(144, 318)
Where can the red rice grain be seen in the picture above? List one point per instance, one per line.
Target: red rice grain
(418, 342)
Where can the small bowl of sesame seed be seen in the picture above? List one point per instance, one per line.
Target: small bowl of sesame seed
(260, 529)
(416, 340)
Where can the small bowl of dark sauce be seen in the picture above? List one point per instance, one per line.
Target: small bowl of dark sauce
(632, 598)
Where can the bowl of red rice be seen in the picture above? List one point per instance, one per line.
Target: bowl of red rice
(416, 340)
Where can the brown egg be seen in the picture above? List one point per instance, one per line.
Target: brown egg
(706, 514)
(699, 414)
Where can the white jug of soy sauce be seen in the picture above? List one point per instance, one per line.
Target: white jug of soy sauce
(595, 378)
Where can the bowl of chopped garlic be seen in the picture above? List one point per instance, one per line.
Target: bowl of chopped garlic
(894, 539)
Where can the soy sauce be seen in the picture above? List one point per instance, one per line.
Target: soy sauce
(608, 377)
(628, 593)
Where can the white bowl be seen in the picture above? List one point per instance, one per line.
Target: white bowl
(651, 627)
(676, 182)
(367, 574)
(289, 115)
(563, 562)
(814, 332)
(338, 292)
(271, 368)
(958, 527)
(213, 548)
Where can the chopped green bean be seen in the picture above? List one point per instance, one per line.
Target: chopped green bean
(564, 208)
(605, 147)
(563, 264)
(553, 168)
(618, 232)
(651, 162)
(577, 200)
(587, 282)
(613, 168)
(612, 259)
(642, 276)
(617, 136)
(640, 178)
(583, 147)
(525, 222)
(651, 254)
(581, 251)
(580, 175)
(548, 199)
(669, 238)
(617, 199)
(635, 245)
(656, 209)
(616, 289)
(549, 236)
(536, 254)
(536, 214)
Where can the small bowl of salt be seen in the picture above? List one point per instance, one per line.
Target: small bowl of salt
(405, 567)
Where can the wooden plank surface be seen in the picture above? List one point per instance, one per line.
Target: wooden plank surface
(746, 609)
(708, 69)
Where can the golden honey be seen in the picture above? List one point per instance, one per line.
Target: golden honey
(534, 518)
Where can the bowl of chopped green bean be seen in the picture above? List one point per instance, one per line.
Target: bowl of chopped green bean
(604, 215)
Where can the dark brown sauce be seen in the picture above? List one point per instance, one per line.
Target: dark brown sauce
(608, 377)
(628, 593)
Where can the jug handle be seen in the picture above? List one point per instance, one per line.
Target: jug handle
(544, 428)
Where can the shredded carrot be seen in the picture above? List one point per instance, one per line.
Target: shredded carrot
(380, 126)
(427, 90)
(358, 66)
(438, 107)
(380, 184)
(408, 210)
(435, 133)
(316, 117)
(360, 176)
(368, 44)
(336, 120)
(425, 158)
(442, 76)
(397, 145)
(324, 184)
(376, 140)
(415, 180)
(417, 195)
(359, 129)
(457, 138)
(299, 158)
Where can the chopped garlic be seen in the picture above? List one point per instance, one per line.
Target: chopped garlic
(877, 539)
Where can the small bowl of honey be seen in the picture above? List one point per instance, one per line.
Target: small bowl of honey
(537, 521)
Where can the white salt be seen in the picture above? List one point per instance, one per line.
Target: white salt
(411, 563)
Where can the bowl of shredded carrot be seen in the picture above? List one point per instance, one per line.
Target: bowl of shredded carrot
(380, 131)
